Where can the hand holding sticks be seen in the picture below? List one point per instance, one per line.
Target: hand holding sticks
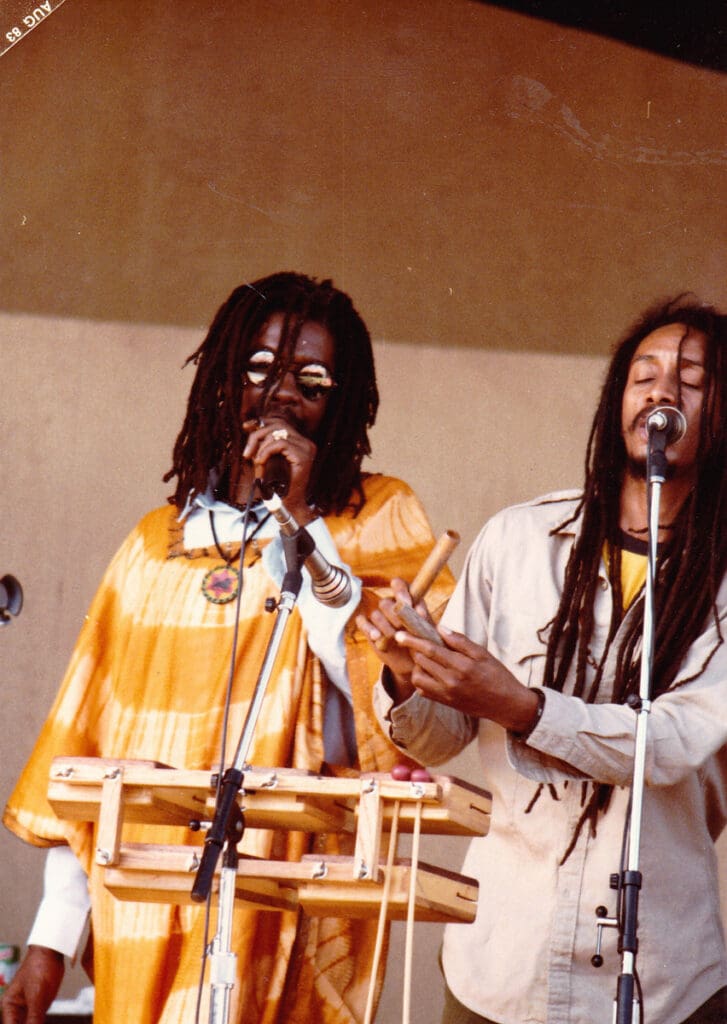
(428, 572)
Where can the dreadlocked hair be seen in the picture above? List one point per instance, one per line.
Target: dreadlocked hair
(694, 560)
(212, 436)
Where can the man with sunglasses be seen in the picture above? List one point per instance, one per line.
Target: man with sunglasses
(166, 665)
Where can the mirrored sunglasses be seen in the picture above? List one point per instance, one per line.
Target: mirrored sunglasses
(313, 380)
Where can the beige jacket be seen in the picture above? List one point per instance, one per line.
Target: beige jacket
(526, 959)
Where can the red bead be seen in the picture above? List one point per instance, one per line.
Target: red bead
(420, 775)
(401, 772)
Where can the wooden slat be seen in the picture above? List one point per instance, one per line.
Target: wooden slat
(273, 798)
(368, 834)
(152, 873)
(322, 886)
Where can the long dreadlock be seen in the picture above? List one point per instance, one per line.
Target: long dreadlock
(212, 436)
(694, 560)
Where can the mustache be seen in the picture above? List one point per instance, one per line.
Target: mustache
(279, 411)
(639, 419)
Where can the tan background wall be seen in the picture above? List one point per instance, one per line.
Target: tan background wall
(499, 195)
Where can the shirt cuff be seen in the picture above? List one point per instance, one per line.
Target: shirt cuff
(63, 911)
(408, 720)
(525, 736)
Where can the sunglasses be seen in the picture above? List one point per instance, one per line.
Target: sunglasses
(313, 380)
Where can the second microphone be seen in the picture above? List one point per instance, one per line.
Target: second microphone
(331, 583)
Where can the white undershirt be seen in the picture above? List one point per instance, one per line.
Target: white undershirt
(64, 908)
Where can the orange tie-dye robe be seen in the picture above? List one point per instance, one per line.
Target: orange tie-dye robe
(147, 680)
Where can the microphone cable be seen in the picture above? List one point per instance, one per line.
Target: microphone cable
(223, 741)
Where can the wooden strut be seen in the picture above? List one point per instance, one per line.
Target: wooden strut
(112, 792)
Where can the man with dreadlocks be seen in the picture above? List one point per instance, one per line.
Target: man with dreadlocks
(540, 663)
(167, 661)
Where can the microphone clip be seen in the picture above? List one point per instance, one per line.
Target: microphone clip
(297, 546)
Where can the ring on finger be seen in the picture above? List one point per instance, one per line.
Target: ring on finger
(280, 435)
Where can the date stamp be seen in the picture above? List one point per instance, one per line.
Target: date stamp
(24, 17)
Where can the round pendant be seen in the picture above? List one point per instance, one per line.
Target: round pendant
(220, 584)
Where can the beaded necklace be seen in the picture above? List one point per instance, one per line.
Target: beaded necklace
(221, 584)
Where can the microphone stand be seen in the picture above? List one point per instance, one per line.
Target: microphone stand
(228, 823)
(631, 878)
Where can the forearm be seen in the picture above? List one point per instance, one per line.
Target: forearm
(596, 741)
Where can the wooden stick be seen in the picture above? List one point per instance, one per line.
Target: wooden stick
(381, 927)
(409, 943)
(432, 564)
(428, 572)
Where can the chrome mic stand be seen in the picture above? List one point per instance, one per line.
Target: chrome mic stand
(630, 883)
(228, 824)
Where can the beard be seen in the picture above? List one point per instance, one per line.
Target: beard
(636, 469)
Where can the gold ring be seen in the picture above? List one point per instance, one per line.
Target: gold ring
(280, 435)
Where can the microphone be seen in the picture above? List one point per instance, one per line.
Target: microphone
(276, 476)
(11, 599)
(669, 420)
(331, 584)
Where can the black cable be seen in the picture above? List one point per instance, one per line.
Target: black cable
(223, 743)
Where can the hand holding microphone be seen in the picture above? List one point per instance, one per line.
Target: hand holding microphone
(282, 459)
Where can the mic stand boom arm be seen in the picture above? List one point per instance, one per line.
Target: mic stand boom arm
(227, 826)
(631, 878)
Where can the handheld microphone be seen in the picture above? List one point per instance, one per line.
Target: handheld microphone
(669, 420)
(331, 584)
(276, 477)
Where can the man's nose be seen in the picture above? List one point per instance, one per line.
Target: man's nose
(286, 387)
(664, 389)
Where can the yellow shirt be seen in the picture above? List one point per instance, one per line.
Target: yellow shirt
(633, 575)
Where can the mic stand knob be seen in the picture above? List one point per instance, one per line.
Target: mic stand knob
(604, 922)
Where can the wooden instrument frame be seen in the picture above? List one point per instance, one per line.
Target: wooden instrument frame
(112, 792)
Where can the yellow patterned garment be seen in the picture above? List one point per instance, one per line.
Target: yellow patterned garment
(147, 680)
